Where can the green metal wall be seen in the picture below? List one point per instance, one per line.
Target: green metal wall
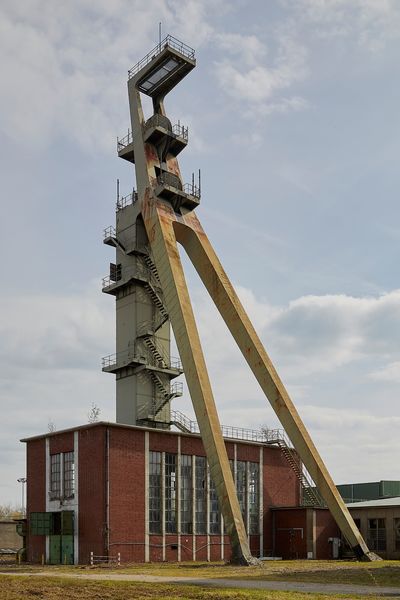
(357, 492)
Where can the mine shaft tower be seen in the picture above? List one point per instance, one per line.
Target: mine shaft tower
(149, 286)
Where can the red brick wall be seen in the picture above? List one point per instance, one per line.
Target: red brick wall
(162, 442)
(127, 489)
(127, 494)
(291, 544)
(326, 527)
(92, 492)
(156, 548)
(36, 494)
(281, 488)
(247, 452)
(62, 442)
(201, 547)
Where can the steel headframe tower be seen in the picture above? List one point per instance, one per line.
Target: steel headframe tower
(151, 292)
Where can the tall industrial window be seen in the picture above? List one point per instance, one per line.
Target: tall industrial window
(247, 486)
(254, 498)
(155, 492)
(55, 476)
(241, 486)
(201, 495)
(377, 534)
(186, 494)
(215, 526)
(69, 475)
(170, 493)
(396, 524)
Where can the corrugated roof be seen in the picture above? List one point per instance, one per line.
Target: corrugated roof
(375, 503)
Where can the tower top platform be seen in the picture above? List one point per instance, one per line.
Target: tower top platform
(163, 67)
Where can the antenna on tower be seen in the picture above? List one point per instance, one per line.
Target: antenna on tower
(159, 35)
(118, 205)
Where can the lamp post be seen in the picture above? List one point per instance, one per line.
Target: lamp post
(22, 481)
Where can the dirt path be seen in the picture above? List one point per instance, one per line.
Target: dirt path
(283, 586)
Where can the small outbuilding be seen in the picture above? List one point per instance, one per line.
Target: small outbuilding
(379, 524)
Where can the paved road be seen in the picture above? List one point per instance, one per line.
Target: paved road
(283, 586)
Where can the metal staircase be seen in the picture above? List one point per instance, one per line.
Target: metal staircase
(310, 494)
(150, 264)
(154, 295)
(164, 392)
(147, 347)
(155, 351)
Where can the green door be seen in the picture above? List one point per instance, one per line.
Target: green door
(55, 549)
(67, 549)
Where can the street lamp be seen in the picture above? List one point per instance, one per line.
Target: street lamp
(22, 481)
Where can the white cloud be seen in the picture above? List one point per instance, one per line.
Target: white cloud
(371, 23)
(371, 439)
(310, 337)
(53, 332)
(246, 48)
(307, 338)
(63, 64)
(50, 349)
(321, 333)
(247, 78)
(388, 373)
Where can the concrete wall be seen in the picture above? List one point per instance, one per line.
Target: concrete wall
(388, 513)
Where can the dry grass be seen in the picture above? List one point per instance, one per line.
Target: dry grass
(383, 573)
(35, 588)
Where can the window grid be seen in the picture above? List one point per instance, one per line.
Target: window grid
(241, 486)
(201, 495)
(170, 493)
(215, 521)
(55, 476)
(155, 492)
(377, 534)
(186, 494)
(396, 524)
(254, 498)
(247, 488)
(69, 475)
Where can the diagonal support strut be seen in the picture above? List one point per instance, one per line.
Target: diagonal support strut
(159, 222)
(202, 255)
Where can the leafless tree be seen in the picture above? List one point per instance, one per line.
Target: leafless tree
(94, 413)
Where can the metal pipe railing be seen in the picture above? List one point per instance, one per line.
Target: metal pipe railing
(126, 200)
(169, 41)
(125, 141)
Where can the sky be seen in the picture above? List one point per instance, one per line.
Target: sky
(293, 119)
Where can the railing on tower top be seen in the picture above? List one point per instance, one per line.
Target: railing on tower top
(167, 42)
(132, 354)
(138, 270)
(109, 232)
(177, 130)
(192, 190)
(125, 141)
(126, 200)
(239, 433)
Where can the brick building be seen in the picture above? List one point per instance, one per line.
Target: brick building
(147, 494)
